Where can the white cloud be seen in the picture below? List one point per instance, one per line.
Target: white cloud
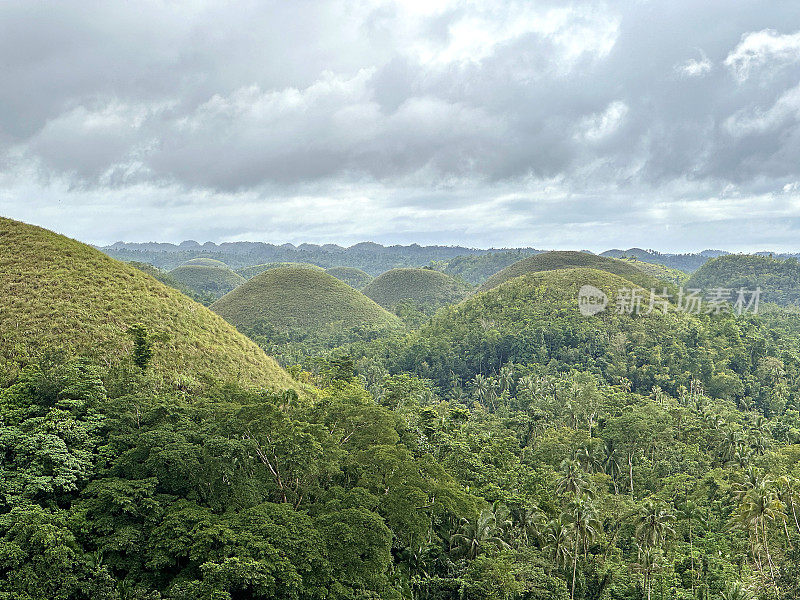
(473, 120)
(759, 120)
(763, 48)
(694, 67)
(599, 126)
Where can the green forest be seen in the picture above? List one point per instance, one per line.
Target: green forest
(442, 442)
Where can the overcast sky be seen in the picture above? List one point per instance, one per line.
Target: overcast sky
(673, 125)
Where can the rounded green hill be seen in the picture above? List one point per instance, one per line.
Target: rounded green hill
(426, 289)
(536, 319)
(304, 303)
(206, 262)
(253, 270)
(355, 278)
(778, 280)
(57, 294)
(205, 279)
(551, 261)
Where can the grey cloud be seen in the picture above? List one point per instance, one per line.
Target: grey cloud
(267, 103)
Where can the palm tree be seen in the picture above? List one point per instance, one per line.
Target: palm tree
(502, 518)
(506, 378)
(730, 445)
(691, 513)
(475, 535)
(649, 562)
(528, 522)
(736, 591)
(485, 390)
(557, 536)
(610, 463)
(758, 505)
(585, 527)
(789, 493)
(653, 525)
(572, 479)
(587, 459)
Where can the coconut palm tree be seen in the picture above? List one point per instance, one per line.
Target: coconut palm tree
(506, 378)
(730, 445)
(476, 535)
(572, 478)
(736, 591)
(528, 522)
(789, 494)
(759, 505)
(610, 463)
(587, 459)
(558, 541)
(690, 512)
(649, 562)
(653, 525)
(582, 517)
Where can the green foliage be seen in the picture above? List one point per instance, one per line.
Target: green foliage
(425, 289)
(168, 280)
(510, 449)
(142, 345)
(668, 274)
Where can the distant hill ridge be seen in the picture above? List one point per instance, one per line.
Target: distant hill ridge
(370, 257)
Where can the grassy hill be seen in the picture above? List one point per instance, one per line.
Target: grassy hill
(477, 268)
(59, 294)
(207, 262)
(355, 278)
(253, 270)
(204, 279)
(168, 280)
(779, 280)
(535, 319)
(550, 261)
(663, 272)
(292, 305)
(426, 289)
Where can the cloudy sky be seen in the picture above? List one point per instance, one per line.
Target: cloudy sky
(673, 124)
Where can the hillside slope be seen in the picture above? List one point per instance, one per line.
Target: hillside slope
(663, 272)
(59, 294)
(424, 288)
(779, 280)
(477, 268)
(536, 319)
(207, 262)
(355, 278)
(550, 261)
(206, 279)
(253, 270)
(301, 303)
